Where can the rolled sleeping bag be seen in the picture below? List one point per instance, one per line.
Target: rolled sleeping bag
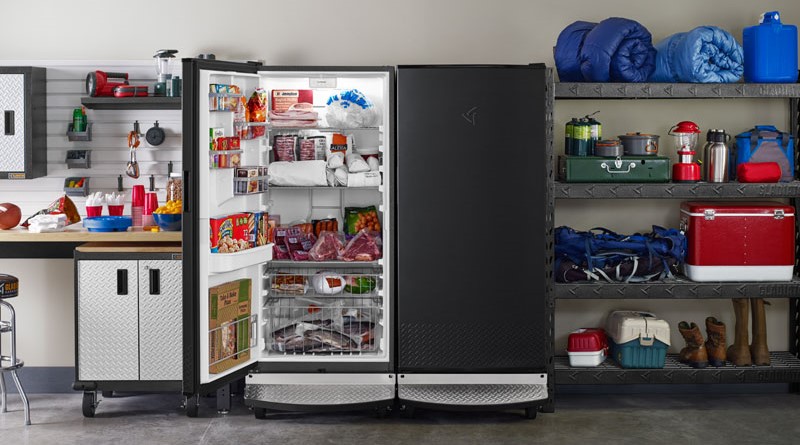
(706, 54)
(618, 50)
(568, 49)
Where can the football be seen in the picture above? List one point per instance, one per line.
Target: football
(10, 215)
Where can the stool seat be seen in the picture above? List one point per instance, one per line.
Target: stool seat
(11, 366)
(9, 286)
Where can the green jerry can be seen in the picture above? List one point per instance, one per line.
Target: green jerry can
(621, 169)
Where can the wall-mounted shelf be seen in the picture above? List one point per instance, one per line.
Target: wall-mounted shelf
(79, 136)
(132, 103)
(79, 159)
(593, 90)
(785, 368)
(677, 288)
(671, 190)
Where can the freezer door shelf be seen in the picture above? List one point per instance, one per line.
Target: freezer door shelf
(310, 390)
(226, 262)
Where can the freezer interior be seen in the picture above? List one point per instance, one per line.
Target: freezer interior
(294, 317)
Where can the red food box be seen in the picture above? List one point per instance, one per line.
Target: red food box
(738, 241)
(230, 233)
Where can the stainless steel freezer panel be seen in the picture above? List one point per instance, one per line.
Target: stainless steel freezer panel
(472, 389)
(160, 322)
(12, 122)
(319, 389)
(108, 323)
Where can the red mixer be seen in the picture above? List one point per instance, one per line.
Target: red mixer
(685, 138)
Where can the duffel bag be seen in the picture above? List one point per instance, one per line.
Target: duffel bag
(765, 143)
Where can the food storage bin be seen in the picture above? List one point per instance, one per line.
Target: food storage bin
(738, 241)
(637, 339)
(587, 347)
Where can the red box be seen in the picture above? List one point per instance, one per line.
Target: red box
(738, 241)
(587, 347)
(283, 99)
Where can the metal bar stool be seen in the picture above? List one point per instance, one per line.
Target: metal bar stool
(9, 288)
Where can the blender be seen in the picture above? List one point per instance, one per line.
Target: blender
(163, 58)
(684, 136)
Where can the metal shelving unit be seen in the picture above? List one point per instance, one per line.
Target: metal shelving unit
(132, 103)
(785, 365)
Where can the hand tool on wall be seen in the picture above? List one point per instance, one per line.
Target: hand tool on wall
(132, 169)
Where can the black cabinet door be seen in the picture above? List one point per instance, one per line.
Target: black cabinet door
(471, 208)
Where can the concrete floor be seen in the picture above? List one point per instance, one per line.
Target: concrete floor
(579, 419)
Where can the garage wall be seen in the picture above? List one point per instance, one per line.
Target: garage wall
(392, 32)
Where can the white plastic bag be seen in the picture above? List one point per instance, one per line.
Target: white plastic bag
(298, 174)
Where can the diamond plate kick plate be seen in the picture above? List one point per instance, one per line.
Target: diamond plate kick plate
(12, 99)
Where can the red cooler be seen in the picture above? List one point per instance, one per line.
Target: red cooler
(738, 241)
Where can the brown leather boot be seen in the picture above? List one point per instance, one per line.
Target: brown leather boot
(739, 352)
(715, 343)
(694, 354)
(758, 349)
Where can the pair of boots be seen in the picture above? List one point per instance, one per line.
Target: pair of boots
(757, 354)
(697, 353)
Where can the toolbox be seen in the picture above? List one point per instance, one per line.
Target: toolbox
(738, 241)
(620, 169)
(637, 339)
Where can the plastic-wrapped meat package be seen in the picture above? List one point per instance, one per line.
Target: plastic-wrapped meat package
(279, 250)
(362, 332)
(299, 243)
(363, 247)
(327, 247)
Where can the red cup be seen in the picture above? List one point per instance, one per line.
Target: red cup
(150, 203)
(115, 210)
(92, 211)
(137, 197)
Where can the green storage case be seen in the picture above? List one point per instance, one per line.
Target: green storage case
(622, 169)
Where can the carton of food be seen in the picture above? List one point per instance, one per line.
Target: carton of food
(229, 325)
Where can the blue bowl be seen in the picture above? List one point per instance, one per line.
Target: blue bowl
(168, 222)
(107, 223)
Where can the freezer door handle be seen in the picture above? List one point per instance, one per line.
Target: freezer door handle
(9, 122)
(186, 191)
(122, 281)
(155, 281)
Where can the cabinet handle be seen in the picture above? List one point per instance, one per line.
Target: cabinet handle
(122, 281)
(9, 124)
(186, 186)
(155, 281)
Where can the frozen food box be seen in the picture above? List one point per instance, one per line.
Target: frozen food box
(229, 325)
(215, 133)
(229, 233)
(283, 99)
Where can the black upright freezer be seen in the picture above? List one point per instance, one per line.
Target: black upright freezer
(472, 316)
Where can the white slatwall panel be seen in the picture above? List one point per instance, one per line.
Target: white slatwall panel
(65, 87)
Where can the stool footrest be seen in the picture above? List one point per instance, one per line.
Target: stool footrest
(11, 366)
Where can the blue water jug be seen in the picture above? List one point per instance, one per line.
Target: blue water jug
(770, 51)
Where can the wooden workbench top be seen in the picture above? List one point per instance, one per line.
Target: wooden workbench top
(130, 247)
(75, 233)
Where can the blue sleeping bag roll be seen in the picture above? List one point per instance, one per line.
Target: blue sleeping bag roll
(568, 49)
(618, 50)
(706, 54)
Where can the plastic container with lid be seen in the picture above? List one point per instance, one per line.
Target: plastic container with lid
(587, 347)
(770, 50)
(175, 187)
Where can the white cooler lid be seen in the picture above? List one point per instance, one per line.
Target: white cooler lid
(624, 326)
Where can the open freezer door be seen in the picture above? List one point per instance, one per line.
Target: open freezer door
(221, 285)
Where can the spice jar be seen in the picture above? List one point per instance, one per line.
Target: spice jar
(174, 187)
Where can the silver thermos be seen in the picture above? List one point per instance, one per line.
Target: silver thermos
(717, 156)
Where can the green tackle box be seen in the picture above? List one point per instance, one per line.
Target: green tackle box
(621, 169)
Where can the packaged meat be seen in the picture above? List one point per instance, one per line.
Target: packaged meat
(327, 283)
(298, 115)
(356, 163)
(327, 224)
(287, 283)
(357, 218)
(306, 228)
(280, 251)
(284, 146)
(363, 247)
(298, 243)
(298, 174)
(306, 151)
(230, 233)
(327, 248)
(282, 100)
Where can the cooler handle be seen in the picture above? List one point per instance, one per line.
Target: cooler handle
(646, 341)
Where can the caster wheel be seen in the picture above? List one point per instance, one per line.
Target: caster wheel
(382, 412)
(260, 413)
(193, 406)
(530, 413)
(89, 404)
(108, 394)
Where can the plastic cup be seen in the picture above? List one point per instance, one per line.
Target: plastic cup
(150, 203)
(115, 210)
(137, 196)
(92, 211)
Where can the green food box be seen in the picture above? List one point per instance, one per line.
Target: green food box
(229, 325)
(622, 169)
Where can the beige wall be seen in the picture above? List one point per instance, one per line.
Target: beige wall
(388, 32)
